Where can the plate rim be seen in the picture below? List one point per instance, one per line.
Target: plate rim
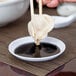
(36, 59)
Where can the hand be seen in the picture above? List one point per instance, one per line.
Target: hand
(54, 3)
(50, 3)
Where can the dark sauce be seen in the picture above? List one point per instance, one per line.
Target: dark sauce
(31, 50)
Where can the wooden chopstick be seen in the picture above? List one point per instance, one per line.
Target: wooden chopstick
(40, 7)
(32, 8)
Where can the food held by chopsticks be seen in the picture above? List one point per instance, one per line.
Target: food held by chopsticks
(40, 24)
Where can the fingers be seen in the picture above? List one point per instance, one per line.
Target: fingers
(50, 3)
(69, 0)
(53, 3)
(44, 2)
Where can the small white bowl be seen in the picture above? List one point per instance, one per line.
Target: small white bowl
(66, 9)
(25, 40)
(11, 10)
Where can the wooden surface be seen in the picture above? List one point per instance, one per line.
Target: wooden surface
(19, 29)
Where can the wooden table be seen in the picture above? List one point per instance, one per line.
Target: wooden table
(18, 29)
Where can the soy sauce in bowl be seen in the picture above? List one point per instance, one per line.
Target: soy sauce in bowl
(31, 50)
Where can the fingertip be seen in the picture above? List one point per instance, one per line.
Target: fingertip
(37, 1)
(46, 1)
(53, 3)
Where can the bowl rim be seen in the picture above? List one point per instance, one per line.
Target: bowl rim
(7, 2)
(11, 50)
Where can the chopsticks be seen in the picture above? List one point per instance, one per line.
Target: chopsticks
(40, 7)
(32, 7)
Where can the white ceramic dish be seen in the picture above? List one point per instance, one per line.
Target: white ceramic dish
(24, 40)
(66, 9)
(61, 21)
(11, 10)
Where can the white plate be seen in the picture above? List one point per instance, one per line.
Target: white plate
(24, 40)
